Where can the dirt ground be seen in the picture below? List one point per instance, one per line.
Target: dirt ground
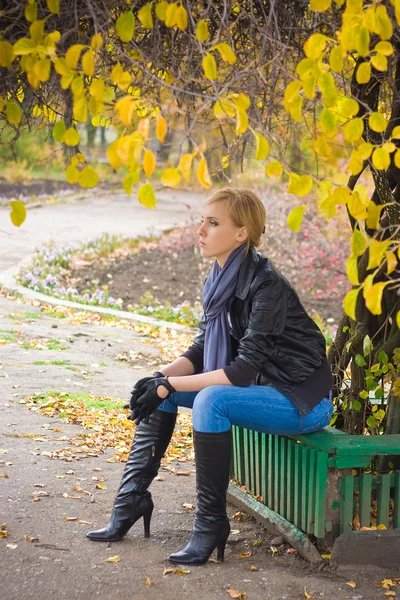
(173, 270)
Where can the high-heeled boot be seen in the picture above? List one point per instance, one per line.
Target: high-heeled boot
(211, 527)
(133, 501)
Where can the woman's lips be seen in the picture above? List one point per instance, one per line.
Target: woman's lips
(201, 243)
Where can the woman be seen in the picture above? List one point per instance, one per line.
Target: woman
(257, 361)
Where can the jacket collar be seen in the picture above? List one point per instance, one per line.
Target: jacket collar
(246, 273)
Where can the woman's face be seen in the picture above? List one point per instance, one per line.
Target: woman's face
(219, 236)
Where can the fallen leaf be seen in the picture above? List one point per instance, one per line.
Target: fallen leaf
(70, 472)
(168, 571)
(390, 593)
(238, 516)
(31, 539)
(291, 551)
(235, 594)
(188, 506)
(39, 485)
(96, 469)
(274, 550)
(253, 568)
(326, 555)
(245, 554)
(12, 546)
(351, 584)
(148, 581)
(79, 489)
(160, 478)
(81, 522)
(307, 595)
(101, 486)
(176, 571)
(70, 518)
(185, 473)
(3, 530)
(235, 531)
(4, 475)
(113, 559)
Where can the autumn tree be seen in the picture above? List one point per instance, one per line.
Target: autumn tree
(309, 89)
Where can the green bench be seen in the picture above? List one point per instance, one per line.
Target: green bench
(319, 482)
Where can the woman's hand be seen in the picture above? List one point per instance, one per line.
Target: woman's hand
(162, 391)
(151, 398)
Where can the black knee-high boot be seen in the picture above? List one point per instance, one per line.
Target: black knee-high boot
(211, 527)
(133, 501)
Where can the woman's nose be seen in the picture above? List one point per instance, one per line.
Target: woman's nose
(200, 230)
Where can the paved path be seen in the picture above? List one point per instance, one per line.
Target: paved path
(81, 220)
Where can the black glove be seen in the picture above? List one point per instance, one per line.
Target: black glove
(149, 400)
(139, 388)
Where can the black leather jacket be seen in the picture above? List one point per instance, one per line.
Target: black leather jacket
(275, 335)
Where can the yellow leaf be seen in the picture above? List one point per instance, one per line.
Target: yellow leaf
(307, 595)
(363, 74)
(351, 584)
(170, 14)
(42, 69)
(383, 22)
(53, 6)
(292, 91)
(353, 130)
(352, 270)
(72, 55)
(320, 5)
(80, 109)
(365, 150)
(209, 67)
(202, 32)
(274, 169)
(88, 178)
(125, 109)
(300, 185)
(161, 9)
(373, 298)
(377, 122)
(145, 16)
(226, 52)
(336, 59)
(385, 48)
(262, 149)
(72, 174)
(149, 162)
(240, 100)
(88, 63)
(96, 42)
(377, 251)
(381, 159)
(374, 215)
(362, 41)
(18, 213)
(397, 159)
(350, 302)
(203, 175)
(144, 128)
(327, 122)
(23, 47)
(161, 128)
(326, 84)
(348, 107)
(171, 177)
(315, 45)
(358, 242)
(146, 195)
(379, 61)
(13, 113)
(113, 157)
(125, 26)
(96, 89)
(356, 163)
(185, 165)
(341, 195)
(58, 131)
(391, 262)
(242, 121)
(31, 11)
(223, 108)
(71, 137)
(113, 559)
(225, 162)
(130, 180)
(6, 54)
(181, 18)
(295, 218)
(120, 77)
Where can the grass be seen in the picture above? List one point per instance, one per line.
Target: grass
(50, 345)
(24, 315)
(7, 337)
(90, 401)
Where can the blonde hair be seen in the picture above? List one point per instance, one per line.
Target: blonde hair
(245, 209)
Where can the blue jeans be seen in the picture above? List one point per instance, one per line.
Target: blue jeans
(261, 408)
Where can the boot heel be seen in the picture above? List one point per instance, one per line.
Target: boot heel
(146, 522)
(221, 550)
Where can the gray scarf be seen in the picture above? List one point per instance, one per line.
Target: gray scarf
(217, 292)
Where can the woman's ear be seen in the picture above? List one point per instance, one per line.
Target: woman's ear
(242, 235)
